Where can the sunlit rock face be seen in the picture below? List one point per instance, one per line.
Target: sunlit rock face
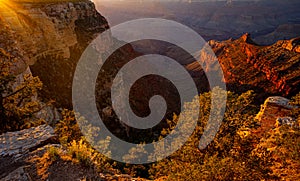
(274, 110)
(269, 70)
(292, 45)
(50, 38)
(41, 29)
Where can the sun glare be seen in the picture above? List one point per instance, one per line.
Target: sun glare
(8, 12)
(3, 2)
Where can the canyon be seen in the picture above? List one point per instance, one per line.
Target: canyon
(47, 39)
(266, 20)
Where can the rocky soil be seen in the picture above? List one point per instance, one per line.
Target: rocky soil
(24, 156)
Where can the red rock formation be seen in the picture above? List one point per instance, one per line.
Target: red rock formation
(273, 109)
(269, 69)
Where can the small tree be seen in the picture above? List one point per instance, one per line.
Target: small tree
(17, 104)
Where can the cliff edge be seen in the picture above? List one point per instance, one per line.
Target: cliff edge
(50, 38)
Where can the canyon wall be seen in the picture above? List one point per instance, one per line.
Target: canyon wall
(50, 38)
(269, 70)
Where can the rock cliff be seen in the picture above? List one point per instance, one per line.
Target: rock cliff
(274, 110)
(16, 147)
(24, 155)
(50, 38)
(270, 70)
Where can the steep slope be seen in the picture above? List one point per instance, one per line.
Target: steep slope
(269, 70)
(50, 38)
(272, 70)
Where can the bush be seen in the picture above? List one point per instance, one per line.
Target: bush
(86, 155)
(228, 156)
(18, 104)
(67, 129)
(54, 153)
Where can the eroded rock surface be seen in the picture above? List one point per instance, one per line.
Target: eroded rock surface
(269, 70)
(274, 110)
(13, 143)
(50, 38)
(17, 147)
(17, 175)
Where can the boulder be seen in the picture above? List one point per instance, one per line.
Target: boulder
(274, 109)
(20, 142)
(17, 147)
(289, 121)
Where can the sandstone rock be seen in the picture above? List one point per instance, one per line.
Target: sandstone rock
(50, 38)
(274, 109)
(20, 142)
(278, 101)
(292, 45)
(17, 148)
(269, 70)
(50, 114)
(247, 38)
(297, 49)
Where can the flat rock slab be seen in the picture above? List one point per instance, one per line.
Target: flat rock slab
(17, 175)
(19, 142)
(279, 101)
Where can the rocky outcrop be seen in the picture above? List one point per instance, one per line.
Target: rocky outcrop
(50, 38)
(269, 70)
(17, 147)
(24, 156)
(292, 45)
(14, 143)
(275, 111)
(43, 29)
